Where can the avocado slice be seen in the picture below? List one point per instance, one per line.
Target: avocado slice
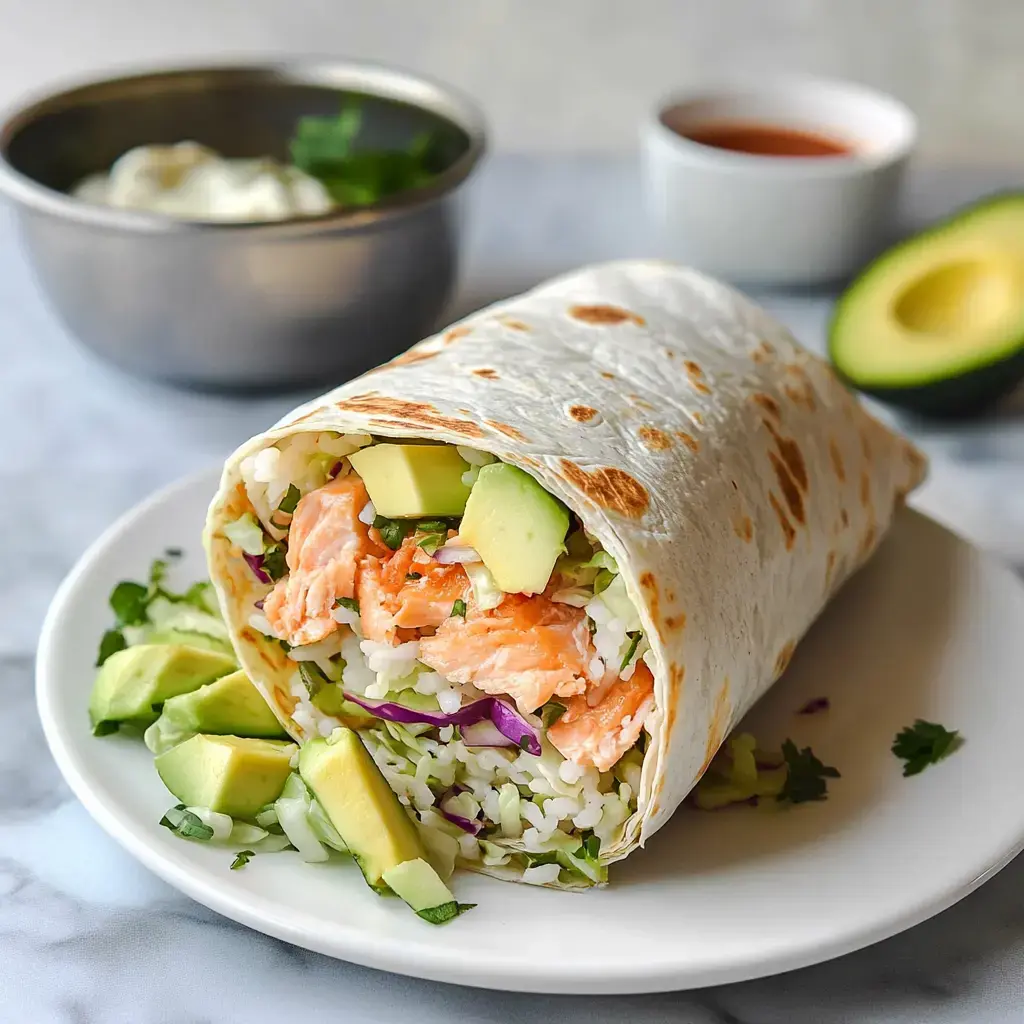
(359, 803)
(416, 882)
(406, 481)
(517, 528)
(936, 324)
(203, 641)
(132, 684)
(236, 775)
(230, 706)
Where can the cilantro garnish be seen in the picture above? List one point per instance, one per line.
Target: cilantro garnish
(129, 600)
(241, 859)
(414, 575)
(325, 147)
(806, 775)
(551, 713)
(347, 602)
(186, 824)
(290, 500)
(112, 642)
(432, 526)
(431, 542)
(459, 608)
(105, 728)
(312, 678)
(634, 642)
(392, 531)
(274, 564)
(592, 846)
(924, 743)
(445, 912)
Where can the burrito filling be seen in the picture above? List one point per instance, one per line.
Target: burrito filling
(461, 618)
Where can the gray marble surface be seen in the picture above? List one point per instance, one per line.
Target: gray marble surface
(86, 935)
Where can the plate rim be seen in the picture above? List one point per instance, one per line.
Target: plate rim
(389, 953)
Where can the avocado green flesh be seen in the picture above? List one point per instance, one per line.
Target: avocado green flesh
(412, 480)
(936, 324)
(356, 797)
(201, 640)
(233, 775)
(230, 706)
(517, 528)
(132, 684)
(418, 884)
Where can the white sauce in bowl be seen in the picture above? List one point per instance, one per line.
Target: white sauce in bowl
(191, 182)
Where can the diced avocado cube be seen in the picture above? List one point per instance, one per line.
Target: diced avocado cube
(356, 797)
(416, 882)
(133, 683)
(203, 641)
(231, 706)
(517, 528)
(234, 775)
(406, 481)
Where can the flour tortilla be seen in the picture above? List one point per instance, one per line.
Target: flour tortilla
(736, 482)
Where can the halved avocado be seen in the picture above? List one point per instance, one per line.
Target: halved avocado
(936, 324)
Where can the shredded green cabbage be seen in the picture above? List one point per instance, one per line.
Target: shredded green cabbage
(247, 533)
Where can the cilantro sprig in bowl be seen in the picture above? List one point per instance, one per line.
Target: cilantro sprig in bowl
(250, 304)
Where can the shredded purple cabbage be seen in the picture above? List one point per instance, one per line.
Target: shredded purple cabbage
(507, 727)
(255, 562)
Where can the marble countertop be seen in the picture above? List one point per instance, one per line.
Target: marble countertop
(89, 937)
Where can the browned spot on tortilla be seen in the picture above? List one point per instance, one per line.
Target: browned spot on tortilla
(676, 674)
(655, 439)
(507, 430)
(784, 657)
(790, 491)
(402, 413)
(605, 316)
(801, 394)
(767, 403)
(486, 372)
(865, 445)
(513, 324)
(789, 452)
(745, 529)
(844, 518)
(697, 418)
(830, 566)
(865, 489)
(689, 440)
(609, 487)
(285, 701)
(607, 375)
(718, 726)
(670, 595)
(582, 413)
(696, 376)
(787, 527)
(641, 403)
(650, 584)
(867, 542)
(762, 353)
(455, 333)
(675, 622)
(528, 460)
(837, 460)
(412, 356)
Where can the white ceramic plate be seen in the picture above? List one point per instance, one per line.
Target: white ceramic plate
(929, 629)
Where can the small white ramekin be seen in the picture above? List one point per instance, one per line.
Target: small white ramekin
(777, 220)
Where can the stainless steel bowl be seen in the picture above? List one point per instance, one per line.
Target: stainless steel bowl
(297, 302)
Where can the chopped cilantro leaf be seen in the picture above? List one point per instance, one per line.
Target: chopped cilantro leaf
(551, 713)
(536, 860)
(157, 574)
(414, 575)
(290, 500)
(112, 642)
(634, 642)
(347, 602)
(312, 678)
(392, 531)
(129, 601)
(241, 859)
(431, 542)
(459, 608)
(924, 743)
(432, 526)
(445, 912)
(274, 564)
(104, 728)
(592, 846)
(806, 775)
(285, 646)
(184, 823)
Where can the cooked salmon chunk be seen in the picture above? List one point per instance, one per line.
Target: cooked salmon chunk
(326, 544)
(598, 736)
(408, 591)
(528, 648)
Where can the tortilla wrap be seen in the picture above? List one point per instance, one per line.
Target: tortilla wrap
(735, 481)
